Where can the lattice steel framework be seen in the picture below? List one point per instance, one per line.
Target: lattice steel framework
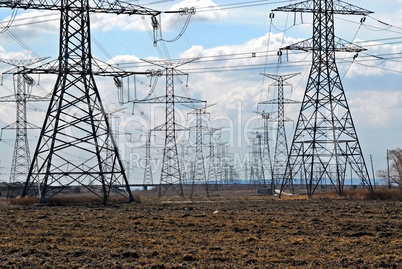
(221, 159)
(22, 94)
(200, 177)
(184, 164)
(148, 178)
(213, 164)
(281, 151)
(266, 149)
(325, 139)
(257, 175)
(76, 146)
(170, 173)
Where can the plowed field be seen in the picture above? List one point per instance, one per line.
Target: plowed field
(231, 231)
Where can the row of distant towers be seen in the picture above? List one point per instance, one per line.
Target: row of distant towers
(324, 144)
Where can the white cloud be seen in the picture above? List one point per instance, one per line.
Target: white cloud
(16, 55)
(124, 59)
(377, 61)
(230, 87)
(35, 23)
(376, 109)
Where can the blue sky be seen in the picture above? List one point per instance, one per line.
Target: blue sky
(224, 34)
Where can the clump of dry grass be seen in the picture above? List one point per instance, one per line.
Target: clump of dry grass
(328, 195)
(357, 194)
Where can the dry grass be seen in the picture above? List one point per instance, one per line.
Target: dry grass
(385, 194)
(150, 197)
(23, 201)
(378, 194)
(65, 200)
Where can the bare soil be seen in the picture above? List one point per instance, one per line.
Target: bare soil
(232, 230)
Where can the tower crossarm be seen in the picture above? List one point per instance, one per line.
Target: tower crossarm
(341, 45)
(281, 78)
(170, 64)
(8, 98)
(278, 119)
(275, 101)
(101, 6)
(30, 98)
(198, 109)
(21, 63)
(187, 100)
(99, 68)
(51, 67)
(162, 100)
(339, 7)
(15, 125)
(162, 127)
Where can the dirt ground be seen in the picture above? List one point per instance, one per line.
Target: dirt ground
(232, 231)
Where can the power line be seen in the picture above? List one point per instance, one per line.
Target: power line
(290, 64)
(35, 19)
(237, 5)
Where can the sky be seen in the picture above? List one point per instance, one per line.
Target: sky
(234, 42)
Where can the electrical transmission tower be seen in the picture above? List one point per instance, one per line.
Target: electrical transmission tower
(281, 145)
(22, 94)
(221, 159)
(148, 174)
(325, 139)
(257, 175)
(213, 164)
(266, 150)
(74, 150)
(148, 179)
(184, 163)
(227, 164)
(170, 174)
(200, 177)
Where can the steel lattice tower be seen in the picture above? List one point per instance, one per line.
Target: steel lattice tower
(65, 135)
(257, 175)
(281, 151)
(221, 159)
(200, 177)
(22, 94)
(325, 139)
(199, 166)
(266, 151)
(213, 164)
(148, 179)
(170, 174)
(183, 163)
